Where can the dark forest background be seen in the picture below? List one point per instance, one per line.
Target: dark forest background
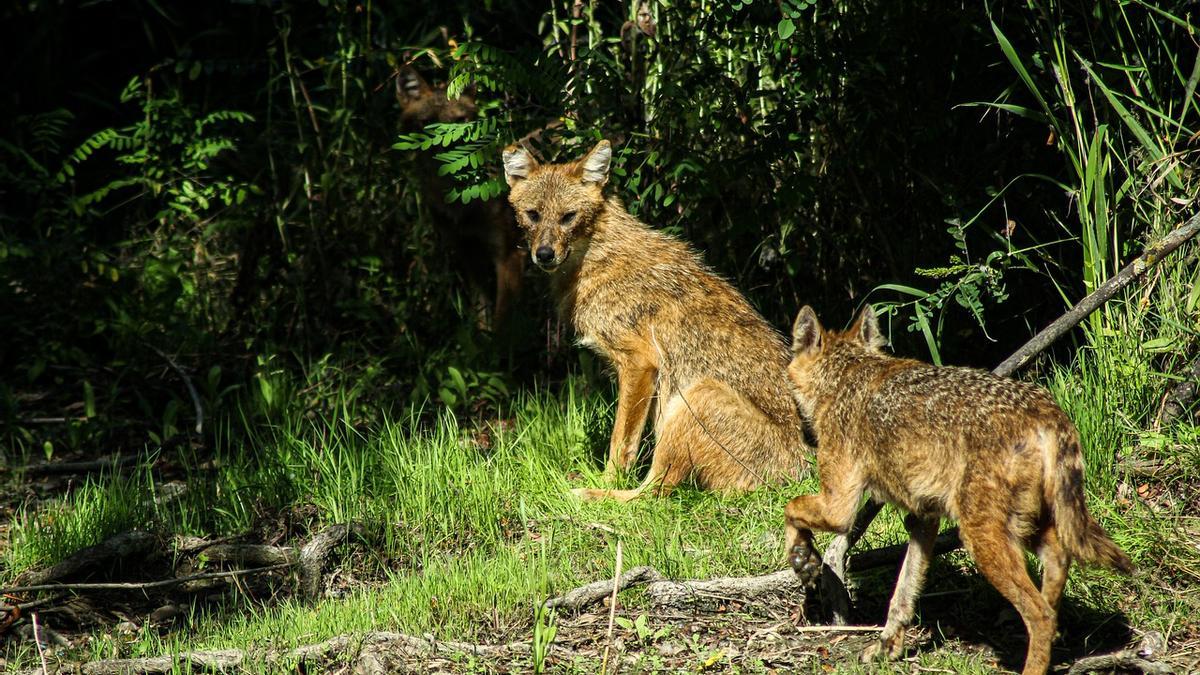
(222, 187)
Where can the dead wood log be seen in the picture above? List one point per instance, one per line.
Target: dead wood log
(115, 548)
(255, 555)
(1121, 661)
(710, 593)
(315, 554)
(379, 652)
(833, 583)
(589, 594)
(221, 660)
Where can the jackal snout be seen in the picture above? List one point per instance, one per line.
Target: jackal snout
(557, 204)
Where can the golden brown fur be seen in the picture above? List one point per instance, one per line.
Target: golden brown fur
(995, 454)
(678, 335)
(482, 237)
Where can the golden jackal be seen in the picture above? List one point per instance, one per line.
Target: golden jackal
(482, 236)
(676, 333)
(995, 454)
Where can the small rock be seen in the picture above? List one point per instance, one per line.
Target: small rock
(126, 627)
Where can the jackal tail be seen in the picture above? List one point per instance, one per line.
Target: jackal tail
(1079, 532)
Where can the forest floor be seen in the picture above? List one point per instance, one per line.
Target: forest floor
(459, 531)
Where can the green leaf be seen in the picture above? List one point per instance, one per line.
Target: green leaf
(786, 27)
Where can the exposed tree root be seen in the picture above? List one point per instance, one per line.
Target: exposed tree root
(380, 652)
(120, 547)
(1120, 661)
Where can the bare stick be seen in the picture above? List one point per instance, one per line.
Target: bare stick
(612, 609)
(836, 629)
(187, 381)
(138, 586)
(1154, 254)
(37, 640)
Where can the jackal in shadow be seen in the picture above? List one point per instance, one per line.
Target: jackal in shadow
(481, 237)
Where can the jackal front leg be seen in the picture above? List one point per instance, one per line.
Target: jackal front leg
(635, 390)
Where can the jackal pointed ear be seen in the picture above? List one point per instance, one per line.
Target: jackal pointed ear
(806, 332)
(410, 85)
(866, 329)
(594, 165)
(517, 164)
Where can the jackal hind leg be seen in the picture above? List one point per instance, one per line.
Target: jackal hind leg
(1056, 562)
(1000, 557)
(921, 534)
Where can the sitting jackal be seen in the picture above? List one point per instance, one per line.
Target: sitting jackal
(995, 454)
(679, 336)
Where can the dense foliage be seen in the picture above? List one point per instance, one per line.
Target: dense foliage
(223, 187)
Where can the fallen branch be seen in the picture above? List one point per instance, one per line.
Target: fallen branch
(833, 583)
(315, 554)
(892, 555)
(381, 652)
(118, 547)
(704, 594)
(1121, 661)
(139, 585)
(221, 660)
(258, 555)
(1153, 255)
(589, 594)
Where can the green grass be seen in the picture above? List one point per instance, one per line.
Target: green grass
(457, 534)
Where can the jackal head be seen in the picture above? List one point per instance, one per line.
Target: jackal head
(422, 104)
(556, 204)
(813, 349)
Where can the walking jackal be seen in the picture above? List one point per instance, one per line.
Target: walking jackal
(482, 237)
(995, 454)
(678, 335)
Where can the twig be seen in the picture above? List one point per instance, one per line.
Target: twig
(187, 381)
(612, 609)
(836, 629)
(142, 585)
(37, 640)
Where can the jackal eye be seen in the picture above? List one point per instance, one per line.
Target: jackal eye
(533, 216)
(568, 217)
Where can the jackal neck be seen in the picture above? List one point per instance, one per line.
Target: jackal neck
(610, 229)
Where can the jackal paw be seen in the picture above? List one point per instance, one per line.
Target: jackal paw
(806, 563)
(890, 648)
